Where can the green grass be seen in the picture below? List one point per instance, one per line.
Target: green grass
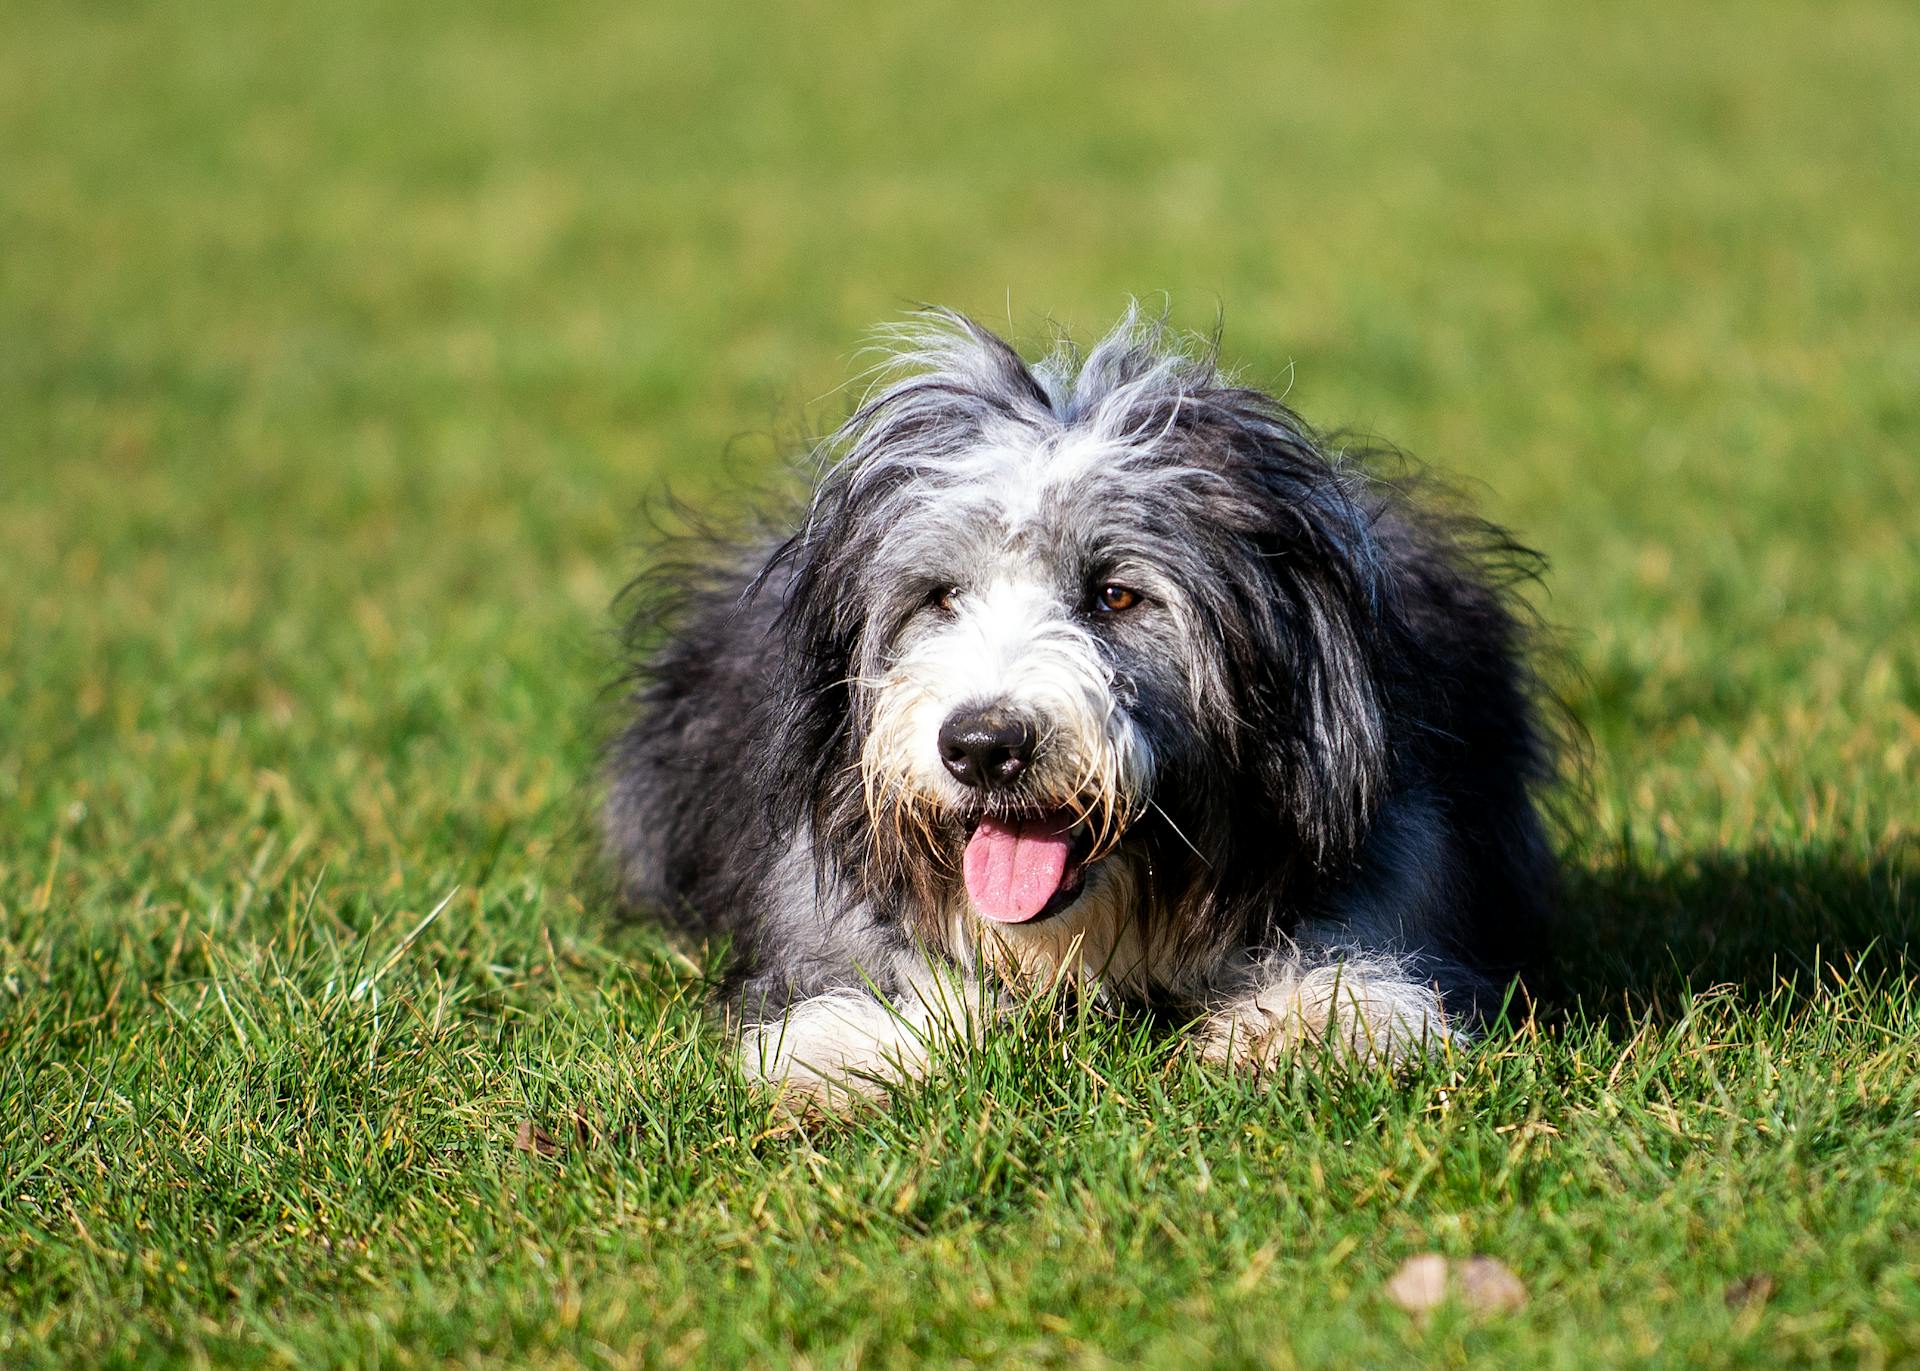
(339, 345)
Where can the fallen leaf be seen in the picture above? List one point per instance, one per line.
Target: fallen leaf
(531, 1137)
(1749, 1290)
(586, 1128)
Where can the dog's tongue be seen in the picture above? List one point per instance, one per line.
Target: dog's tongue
(1013, 868)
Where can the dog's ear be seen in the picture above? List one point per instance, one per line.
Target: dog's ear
(952, 378)
(1314, 623)
(817, 632)
(1331, 770)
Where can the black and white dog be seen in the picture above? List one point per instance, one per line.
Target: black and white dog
(1102, 672)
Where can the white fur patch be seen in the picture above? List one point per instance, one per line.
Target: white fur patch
(1368, 1010)
(848, 1045)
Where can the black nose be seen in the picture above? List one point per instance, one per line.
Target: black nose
(985, 747)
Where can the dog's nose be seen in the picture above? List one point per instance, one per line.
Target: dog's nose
(985, 747)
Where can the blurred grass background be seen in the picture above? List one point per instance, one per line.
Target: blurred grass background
(339, 346)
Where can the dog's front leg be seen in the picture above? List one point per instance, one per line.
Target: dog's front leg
(1374, 1009)
(850, 1044)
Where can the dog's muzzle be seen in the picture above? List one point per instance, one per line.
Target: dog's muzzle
(1025, 858)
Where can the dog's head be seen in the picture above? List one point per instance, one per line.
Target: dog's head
(1077, 630)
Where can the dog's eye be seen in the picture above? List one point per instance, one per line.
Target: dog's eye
(1114, 599)
(942, 599)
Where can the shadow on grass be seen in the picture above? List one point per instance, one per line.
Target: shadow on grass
(1638, 933)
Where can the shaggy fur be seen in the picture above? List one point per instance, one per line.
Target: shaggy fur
(1283, 699)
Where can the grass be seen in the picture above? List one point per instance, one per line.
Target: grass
(339, 345)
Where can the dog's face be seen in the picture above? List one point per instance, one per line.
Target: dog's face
(1073, 642)
(1024, 701)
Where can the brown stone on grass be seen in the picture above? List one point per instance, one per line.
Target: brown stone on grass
(1420, 1284)
(1484, 1285)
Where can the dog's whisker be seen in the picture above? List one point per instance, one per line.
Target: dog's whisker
(1178, 834)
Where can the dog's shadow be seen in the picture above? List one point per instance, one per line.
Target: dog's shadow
(1637, 934)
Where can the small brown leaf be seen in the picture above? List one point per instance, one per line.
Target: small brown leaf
(531, 1137)
(1488, 1287)
(1752, 1290)
(1420, 1283)
(587, 1129)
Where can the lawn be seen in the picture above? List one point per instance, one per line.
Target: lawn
(340, 346)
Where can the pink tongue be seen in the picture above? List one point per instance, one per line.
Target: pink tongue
(1014, 868)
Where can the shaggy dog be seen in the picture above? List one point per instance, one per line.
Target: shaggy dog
(1106, 673)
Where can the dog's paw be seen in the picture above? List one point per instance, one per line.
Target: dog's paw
(1361, 1013)
(837, 1051)
(806, 1096)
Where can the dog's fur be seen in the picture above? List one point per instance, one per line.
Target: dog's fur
(1305, 763)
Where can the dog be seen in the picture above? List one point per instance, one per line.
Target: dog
(1102, 672)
